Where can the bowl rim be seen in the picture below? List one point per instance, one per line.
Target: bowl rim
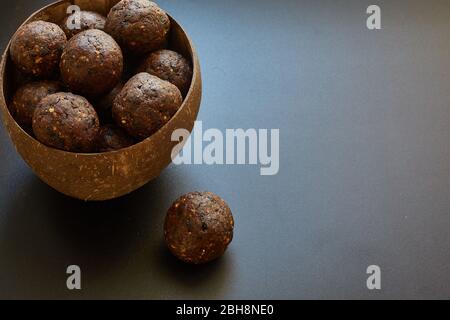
(5, 56)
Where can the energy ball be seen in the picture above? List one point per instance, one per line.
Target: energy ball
(66, 121)
(36, 48)
(111, 138)
(87, 20)
(198, 227)
(27, 98)
(170, 66)
(139, 26)
(92, 63)
(145, 104)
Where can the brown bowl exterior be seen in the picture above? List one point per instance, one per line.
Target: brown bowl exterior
(102, 176)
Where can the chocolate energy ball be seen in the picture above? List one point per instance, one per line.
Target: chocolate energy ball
(87, 20)
(92, 63)
(36, 48)
(66, 121)
(140, 26)
(198, 227)
(27, 98)
(145, 104)
(111, 138)
(170, 66)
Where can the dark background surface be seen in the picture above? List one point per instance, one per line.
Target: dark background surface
(364, 175)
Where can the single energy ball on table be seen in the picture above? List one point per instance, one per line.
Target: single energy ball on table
(170, 66)
(198, 227)
(139, 26)
(36, 48)
(66, 121)
(27, 98)
(111, 138)
(92, 63)
(145, 104)
(86, 19)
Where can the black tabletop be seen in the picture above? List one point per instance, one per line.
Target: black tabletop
(364, 119)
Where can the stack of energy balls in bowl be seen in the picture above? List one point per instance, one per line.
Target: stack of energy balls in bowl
(84, 91)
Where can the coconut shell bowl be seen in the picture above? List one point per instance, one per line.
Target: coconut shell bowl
(100, 176)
